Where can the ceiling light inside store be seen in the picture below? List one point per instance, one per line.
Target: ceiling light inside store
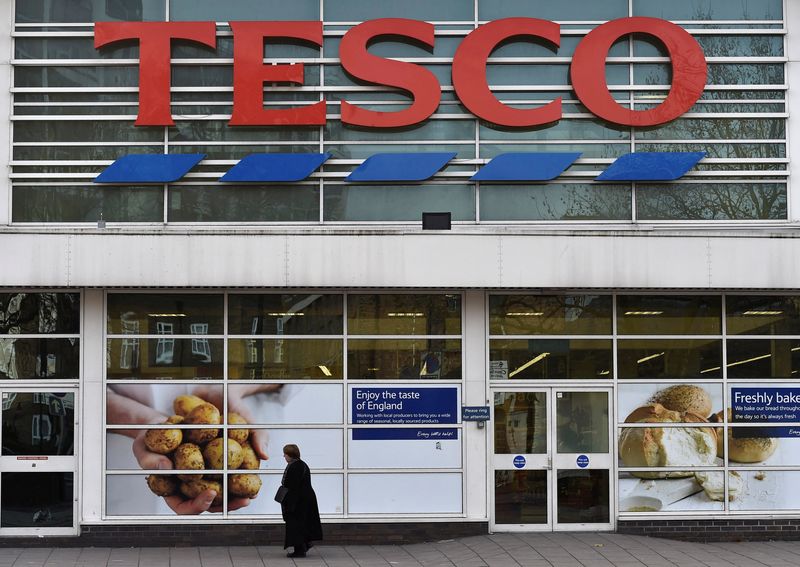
(796, 349)
(738, 362)
(644, 312)
(166, 314)
(325, 370)
(762, 312)
(651, 357)
(287, 314)
(604, 373)
(525, 314)
(710, 369)
(531, 362)
(405, 314)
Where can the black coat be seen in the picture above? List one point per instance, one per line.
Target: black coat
(299, 506)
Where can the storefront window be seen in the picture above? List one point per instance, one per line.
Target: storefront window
(204, 389)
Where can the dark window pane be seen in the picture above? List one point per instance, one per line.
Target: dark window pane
(581, 422)
(763, 315)
(398, 202)
(549, 10)
(669, 315)
(241, 10)
(285, 359)
(357, 10)
(583, 497)
(711, 201)
(408, 314)
(555, 201)
(76, 76)
(37, 500)
(763, 358)
(710, 9)
(520, 423)
(31, 359)
(403, 359)
(88, 204)
(550, 314)
(68, 11)
(164, 359)
(38, 423)
(520, 497)
(550, 359)
(299, 203)
(285, 314)
(164, 314)
(33, 313)
(668, 358)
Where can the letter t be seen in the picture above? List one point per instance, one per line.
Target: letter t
(155, 40)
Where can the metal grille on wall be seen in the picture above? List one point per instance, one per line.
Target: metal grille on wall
(74, 110)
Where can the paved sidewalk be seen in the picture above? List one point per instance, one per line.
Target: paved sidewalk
(500, 550)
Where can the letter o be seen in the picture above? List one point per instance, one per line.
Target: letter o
(588, 71)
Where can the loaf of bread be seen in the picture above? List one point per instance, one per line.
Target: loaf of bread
(666, 446)
(684, 398)
(714, 486)
(744, 449)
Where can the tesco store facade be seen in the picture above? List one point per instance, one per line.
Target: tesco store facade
(492, 265)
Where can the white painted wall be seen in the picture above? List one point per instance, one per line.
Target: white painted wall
(722, 260)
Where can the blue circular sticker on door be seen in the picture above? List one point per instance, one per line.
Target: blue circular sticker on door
(519, 461)
(582, 461)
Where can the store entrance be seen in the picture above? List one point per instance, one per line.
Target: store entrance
(552, 459)
(38, 464)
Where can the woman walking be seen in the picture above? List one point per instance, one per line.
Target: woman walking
(299, 505)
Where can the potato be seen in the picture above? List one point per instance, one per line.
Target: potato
(245, 485)
(175, 419)
(250, 460)
(188, 457)
(162, 485)
(163, 441)
(185, 404)
(204, 413)
(194, 488)
(240, 435)
(213, 454)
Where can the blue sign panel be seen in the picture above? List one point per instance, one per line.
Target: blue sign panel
(582, 461)
(774, 405)
(387, 434)
(405, 405)
(519, 461)
(474, 413)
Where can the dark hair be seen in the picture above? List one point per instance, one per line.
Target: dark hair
(292, 451)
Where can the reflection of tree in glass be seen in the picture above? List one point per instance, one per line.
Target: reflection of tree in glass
(726, 199)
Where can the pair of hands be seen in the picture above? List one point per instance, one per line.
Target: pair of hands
(258, 439)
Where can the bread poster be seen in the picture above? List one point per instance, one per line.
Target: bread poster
(680, 425)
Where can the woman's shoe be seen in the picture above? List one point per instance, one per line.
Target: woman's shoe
(295, 554)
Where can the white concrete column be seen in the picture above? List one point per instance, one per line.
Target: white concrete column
(6, 78)
(91, 457)
(475, 392)
(792, 18)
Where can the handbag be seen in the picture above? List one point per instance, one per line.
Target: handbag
(280, 495)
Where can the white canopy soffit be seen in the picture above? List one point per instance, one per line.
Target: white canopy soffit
(443, 260)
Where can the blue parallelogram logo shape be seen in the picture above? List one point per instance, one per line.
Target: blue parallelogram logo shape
(273, 168)
(400, 167)
(526, 166)
(651, 166)
(149, 168)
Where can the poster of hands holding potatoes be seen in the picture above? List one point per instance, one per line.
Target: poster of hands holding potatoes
(182, 455)
(679, 425)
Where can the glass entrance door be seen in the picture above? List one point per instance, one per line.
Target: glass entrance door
(552, 459)
(38, 465)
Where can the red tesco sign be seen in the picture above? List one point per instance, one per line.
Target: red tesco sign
(587, 71)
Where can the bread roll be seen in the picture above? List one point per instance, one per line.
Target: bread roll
(683, 398)
(666, 446)
(744, 449)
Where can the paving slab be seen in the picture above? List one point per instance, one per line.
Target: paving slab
(492, 550)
